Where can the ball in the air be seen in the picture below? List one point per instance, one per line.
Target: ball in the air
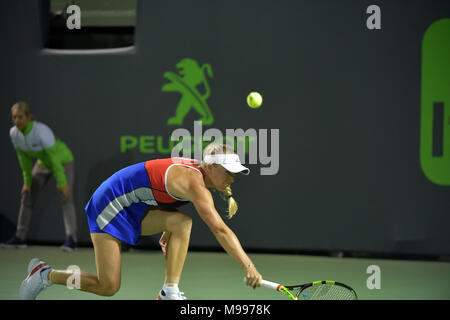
(254, 100)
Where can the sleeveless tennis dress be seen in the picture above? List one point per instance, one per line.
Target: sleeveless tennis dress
(119, 204)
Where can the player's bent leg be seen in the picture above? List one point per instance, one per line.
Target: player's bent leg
(108, 260)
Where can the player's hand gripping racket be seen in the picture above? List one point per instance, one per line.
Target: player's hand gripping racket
(318, 290)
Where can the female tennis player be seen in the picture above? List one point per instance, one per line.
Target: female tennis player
(142, 199)
(32, 139)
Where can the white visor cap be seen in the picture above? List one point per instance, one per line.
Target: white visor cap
(229, 161)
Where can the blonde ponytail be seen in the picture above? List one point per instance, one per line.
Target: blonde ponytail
(232, 204)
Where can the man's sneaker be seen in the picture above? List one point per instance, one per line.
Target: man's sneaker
(14, 242)
(69, 245)
(36, 281)
(162, 295)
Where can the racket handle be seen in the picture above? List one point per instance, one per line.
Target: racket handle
(268, 284)
(271, 285)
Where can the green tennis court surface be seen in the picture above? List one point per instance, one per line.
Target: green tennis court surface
(216, 276)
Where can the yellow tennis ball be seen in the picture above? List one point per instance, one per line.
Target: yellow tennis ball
(254, 100)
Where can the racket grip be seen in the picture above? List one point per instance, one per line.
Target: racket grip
(268, 284)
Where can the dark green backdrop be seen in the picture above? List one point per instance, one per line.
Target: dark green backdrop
(347, 102)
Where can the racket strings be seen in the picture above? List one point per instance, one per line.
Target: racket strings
(326, 292)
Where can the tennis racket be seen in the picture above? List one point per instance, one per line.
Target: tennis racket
(317, 290)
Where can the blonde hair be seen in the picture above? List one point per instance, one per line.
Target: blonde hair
(24, 107)
(222, 148)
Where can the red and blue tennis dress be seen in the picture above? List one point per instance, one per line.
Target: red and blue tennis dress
(118, 206)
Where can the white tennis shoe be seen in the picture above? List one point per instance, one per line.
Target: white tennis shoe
(34, 282)
(163, 295)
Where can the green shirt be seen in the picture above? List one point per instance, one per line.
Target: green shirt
(38, 141)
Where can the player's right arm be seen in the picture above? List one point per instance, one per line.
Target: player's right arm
(196, 192)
